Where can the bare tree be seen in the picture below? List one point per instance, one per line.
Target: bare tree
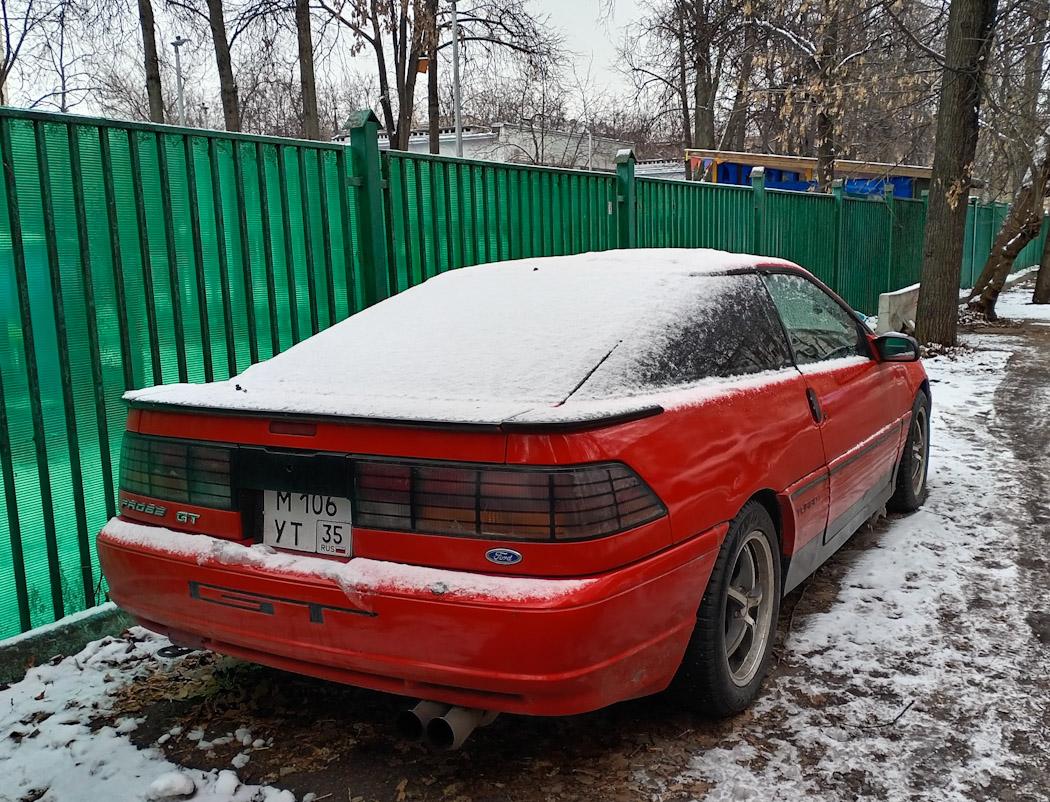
(398, 34)
(60, 57)
(971, 25)
(1022, 225)
(1042, 279)
(231, 107)
(431, 39)
(1015, 157)
(151, 61)
(311, 122)
(20, 20)
(226, 24)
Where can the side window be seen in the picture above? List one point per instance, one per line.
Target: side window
(817, 326)
(732, 331)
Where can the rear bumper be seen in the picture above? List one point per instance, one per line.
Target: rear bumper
(534, 646)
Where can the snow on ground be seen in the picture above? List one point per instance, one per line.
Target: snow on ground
(1016, 304)
(49, 750)
(913, 683)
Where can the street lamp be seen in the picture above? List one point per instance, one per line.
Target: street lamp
(179, 42)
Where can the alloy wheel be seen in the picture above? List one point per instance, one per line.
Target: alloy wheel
(749, 608)
(920, 434)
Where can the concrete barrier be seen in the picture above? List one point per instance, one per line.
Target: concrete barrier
(898, 309)
(64, 637)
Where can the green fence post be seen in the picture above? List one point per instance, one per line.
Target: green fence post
(625, 199)
(840, 217)
(364, 147)
(891, 225)
(758, 191)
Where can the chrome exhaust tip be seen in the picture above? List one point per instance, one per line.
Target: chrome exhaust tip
(450, 730)
(412, 724)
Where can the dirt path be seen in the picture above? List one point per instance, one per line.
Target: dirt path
(914, 665)
(1022, 404)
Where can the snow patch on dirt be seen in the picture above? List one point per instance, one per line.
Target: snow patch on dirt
(50, 749)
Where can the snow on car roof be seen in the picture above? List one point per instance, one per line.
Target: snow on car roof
(480, 344)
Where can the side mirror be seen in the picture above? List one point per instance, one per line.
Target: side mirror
(895, 347)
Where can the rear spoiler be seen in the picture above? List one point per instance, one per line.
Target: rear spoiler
(563, 426)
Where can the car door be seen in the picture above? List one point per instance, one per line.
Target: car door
(766, 438)
(861, 403)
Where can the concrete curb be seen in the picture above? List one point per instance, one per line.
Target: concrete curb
(65, 637)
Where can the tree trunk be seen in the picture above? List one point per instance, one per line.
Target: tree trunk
(1021, 226)
(683, 83)
(970, 28)
(825, 151)
(231, 107)
(1042, 278)
(736, 126)
(407, 46)
(704, 104)
(433, 101)
(152, 62)
(311, 120)
(384, 80)
(829, 48)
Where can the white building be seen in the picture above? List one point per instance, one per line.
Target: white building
(517, 143)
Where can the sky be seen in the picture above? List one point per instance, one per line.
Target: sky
(593, 40)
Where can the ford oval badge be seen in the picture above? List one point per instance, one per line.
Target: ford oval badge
(503, 556)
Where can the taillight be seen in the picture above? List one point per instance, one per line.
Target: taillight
(526, 504)
(176, 470)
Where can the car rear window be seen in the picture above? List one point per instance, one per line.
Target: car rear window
(723, 326)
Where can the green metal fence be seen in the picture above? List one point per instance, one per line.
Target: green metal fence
(445, 213)
(134, 254)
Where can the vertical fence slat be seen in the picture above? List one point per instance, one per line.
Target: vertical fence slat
(223, 258)
(198, 258)
(32, 371)
(94, 352)
(308, 244)
(246, 252)
(14, 525)
(117, 261)
(172, 252)
(64, 368)
(326, 237)
(271, 285)
(147, 266)
(289, 249)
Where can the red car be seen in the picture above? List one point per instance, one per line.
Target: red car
(540, 486)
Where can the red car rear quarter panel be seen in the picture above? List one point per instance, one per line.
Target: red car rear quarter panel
(706, 456)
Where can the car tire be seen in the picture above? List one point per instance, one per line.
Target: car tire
(913, 468)
(729, 651)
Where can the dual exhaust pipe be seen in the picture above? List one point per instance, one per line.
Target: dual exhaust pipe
(443, 726)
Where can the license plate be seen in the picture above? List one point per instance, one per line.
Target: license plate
(307, 522)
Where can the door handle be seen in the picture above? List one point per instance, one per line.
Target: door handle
(814, 405)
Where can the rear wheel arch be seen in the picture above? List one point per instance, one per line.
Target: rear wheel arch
(783, 521)
(730, 647)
